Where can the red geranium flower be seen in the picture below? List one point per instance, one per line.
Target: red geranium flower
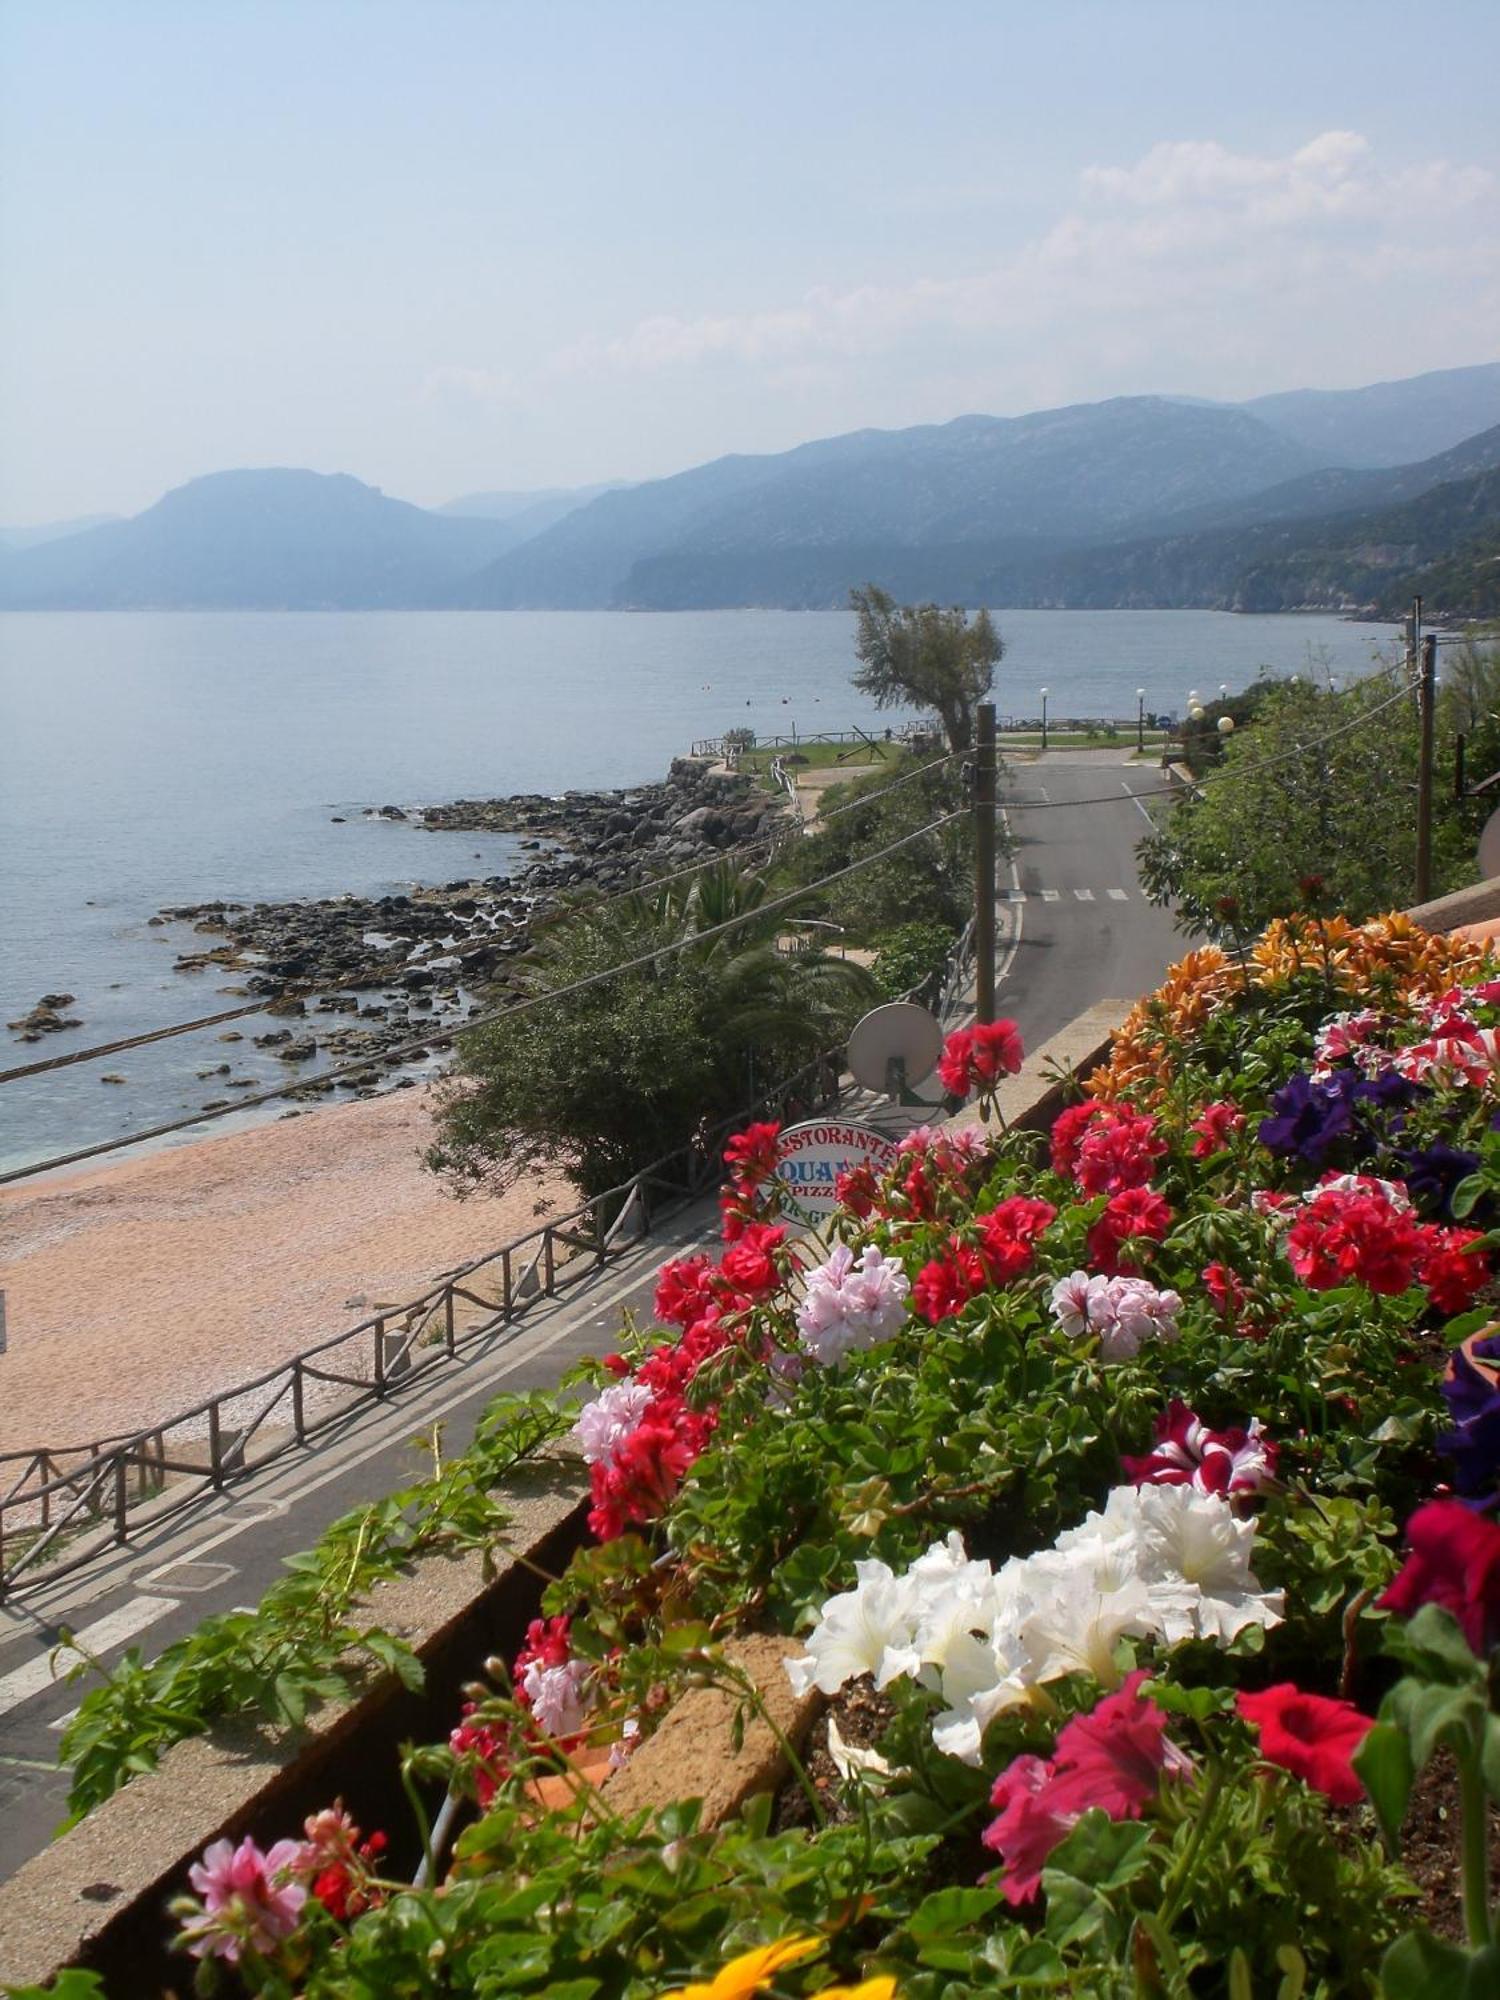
(751, 1154)
(976, 1058)
(1133, 1214)
(1215, 1126)
(1452, 1267)
(1310, 1736)
(683, 1290)
(1119, 1150)
(947, 1283)
(749, 1265)
(1454, 1561)
(1068, 1129)
(1008, 1236)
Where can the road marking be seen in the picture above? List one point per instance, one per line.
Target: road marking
(1015, 895)
(1145, 815)
(1118, 895)
(1084, 895)
(22, 1683)
(1050, 895)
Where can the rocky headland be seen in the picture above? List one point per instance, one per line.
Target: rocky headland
(356, 977)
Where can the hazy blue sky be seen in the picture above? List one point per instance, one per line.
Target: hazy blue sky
(451, 244)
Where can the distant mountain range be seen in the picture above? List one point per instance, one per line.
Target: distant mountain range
(1313, 498)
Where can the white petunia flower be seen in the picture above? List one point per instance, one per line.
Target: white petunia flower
(867, 1630)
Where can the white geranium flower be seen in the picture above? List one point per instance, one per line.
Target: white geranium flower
(559, 1696)
(851, 1305)
(604, 1424)
(867, 1630)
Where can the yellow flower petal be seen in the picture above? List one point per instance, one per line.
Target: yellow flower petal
(881, 1987)
(742, 1976)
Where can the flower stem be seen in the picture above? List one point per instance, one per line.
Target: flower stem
(1476, 1858)
(1182, 1874)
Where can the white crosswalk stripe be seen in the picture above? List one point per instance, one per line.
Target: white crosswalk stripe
(1084, 895)
(22, 1683)
(1050, 895)
(1119, 895)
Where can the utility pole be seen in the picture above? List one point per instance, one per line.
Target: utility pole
(1426, 702)
(984, 865)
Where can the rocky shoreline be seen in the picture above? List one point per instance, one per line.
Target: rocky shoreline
(358, 976)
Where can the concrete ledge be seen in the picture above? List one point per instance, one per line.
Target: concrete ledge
(1477, 904)
(95, 1897)
(1032, 1098)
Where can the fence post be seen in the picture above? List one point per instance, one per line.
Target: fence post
(448, 1338)
(380, 1357)
(215, 1446)
(122, 1499)
(549, 1264)
(505, 1284)
(299, 1417)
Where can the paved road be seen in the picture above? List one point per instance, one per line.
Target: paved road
(1073, 928)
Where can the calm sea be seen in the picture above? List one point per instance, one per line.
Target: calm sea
(165, 759)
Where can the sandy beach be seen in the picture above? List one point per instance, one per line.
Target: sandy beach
(135, 1290)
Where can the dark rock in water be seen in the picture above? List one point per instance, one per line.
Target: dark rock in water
(112, 1078)
(409, 949)
(45, 1018)
(337, 820)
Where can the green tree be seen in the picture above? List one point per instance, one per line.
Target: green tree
(1303, 796)
(599, 1084)
(923, 656)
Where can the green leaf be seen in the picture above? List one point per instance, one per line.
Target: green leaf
(1103, 1852)
(1421, 1967)
(1384, 1766)
(1435, 1715)
(950, 1910)
(1433, 1643)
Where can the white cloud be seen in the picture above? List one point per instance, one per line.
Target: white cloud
(1152, 260)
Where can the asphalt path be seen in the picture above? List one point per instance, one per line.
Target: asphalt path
(1073, 928)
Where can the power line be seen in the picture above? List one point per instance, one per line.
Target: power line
(447, 1035)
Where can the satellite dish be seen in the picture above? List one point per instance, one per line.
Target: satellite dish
(895, 1045)
(1489, 858)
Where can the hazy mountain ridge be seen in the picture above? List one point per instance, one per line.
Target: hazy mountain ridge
(278, 539)
(1142, 500)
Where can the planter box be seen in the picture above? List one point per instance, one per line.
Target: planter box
(95, 1897)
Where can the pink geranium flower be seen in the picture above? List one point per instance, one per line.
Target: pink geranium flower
(250, 1901)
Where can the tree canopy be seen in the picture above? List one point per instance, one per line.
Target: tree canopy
(602, 1083)
(925, 656)
(1313, 804)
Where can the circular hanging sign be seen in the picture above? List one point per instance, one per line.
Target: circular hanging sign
(811, 1157)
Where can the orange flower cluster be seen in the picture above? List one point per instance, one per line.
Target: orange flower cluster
(1390, 954)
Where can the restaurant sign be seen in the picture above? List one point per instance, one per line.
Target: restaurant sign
(811, 1157)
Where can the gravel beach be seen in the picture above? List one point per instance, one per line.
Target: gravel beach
(137, 1289)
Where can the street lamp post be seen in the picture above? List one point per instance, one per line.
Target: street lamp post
(1140, 721)
(1044, 718)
